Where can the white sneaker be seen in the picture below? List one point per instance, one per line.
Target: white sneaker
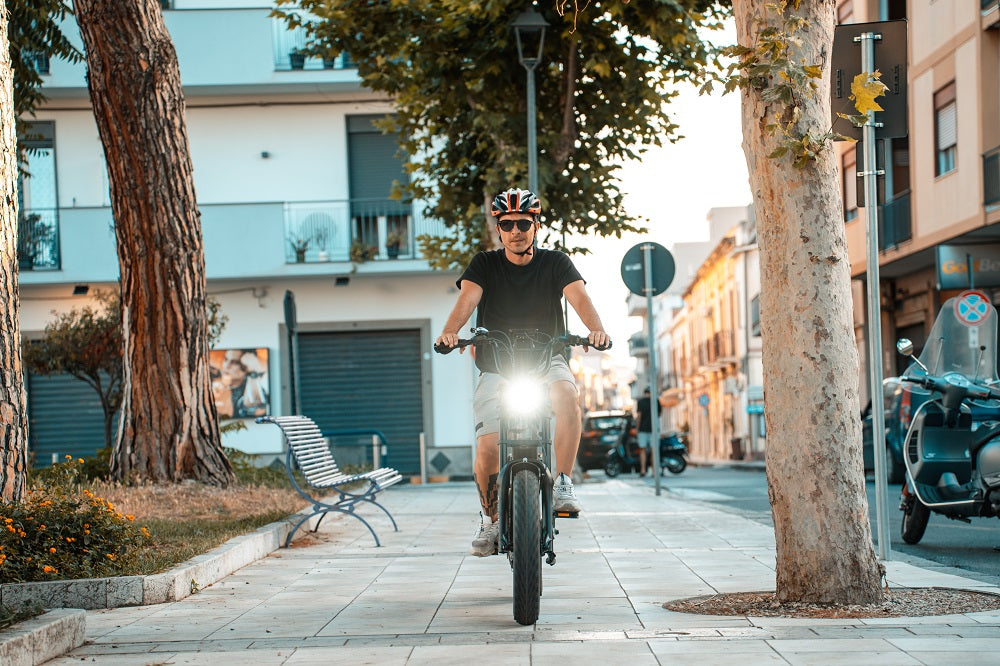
(563, 495)
(485, 543)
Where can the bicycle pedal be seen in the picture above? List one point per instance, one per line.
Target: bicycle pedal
(566, 514)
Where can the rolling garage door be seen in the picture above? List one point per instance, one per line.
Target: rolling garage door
(365, 379)
(65, 418)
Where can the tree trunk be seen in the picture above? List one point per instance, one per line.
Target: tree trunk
(169, 427)
(13, 417)
(814, 465)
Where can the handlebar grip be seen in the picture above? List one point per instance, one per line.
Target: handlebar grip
(445, 349)
(604, 347)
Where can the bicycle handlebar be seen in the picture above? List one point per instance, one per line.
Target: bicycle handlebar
(558, 344)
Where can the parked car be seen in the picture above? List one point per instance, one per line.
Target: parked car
(601, 430)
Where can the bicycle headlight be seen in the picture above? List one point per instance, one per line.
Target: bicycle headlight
(523, 395)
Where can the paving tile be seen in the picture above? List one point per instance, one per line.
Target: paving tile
(420, 599)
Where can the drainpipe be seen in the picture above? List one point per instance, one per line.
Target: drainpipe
(742, 250)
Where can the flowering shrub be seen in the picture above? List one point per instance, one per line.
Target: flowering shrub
(61, 530)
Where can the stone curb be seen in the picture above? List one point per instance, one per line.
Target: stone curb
(42, 638)
(181, 581)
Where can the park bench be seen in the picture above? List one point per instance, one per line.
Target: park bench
(311, 451)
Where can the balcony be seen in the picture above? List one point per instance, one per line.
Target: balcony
(990, 14)
(991, 177)
(718, 350)
(243, 241)
(38, 240)
(638, 345)
(355, 230)
(895, 224)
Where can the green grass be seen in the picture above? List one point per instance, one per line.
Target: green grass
(175, 542)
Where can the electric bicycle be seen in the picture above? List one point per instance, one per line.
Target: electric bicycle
(527, 520)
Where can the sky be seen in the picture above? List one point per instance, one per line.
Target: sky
(674, 187)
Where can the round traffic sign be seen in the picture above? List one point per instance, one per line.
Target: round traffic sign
(634, 269)
(972, 308)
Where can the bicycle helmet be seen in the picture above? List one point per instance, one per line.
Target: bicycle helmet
(516, 200)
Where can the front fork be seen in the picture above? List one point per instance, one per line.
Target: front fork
(505, 508)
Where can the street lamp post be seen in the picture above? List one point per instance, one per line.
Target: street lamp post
(529, 27)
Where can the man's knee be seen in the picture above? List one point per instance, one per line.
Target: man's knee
(565, 400)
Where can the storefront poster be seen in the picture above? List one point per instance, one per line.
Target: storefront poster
(240, 382)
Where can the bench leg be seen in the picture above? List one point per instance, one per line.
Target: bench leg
(322, 514)
(394, 527)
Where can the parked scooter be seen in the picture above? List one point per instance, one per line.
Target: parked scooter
(624, 456)
(952, 447)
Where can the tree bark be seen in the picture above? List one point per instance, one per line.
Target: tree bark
(169, 427)
(13, 417)
(814, 464)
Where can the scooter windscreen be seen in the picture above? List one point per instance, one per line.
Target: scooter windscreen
(963, 340)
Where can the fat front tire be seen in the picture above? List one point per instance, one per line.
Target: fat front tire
(527, 553)
(613, 467)
(675, 464)
(915, 522)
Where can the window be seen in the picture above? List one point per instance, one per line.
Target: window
(849, 186)
(945, 130)
(755, 316)
(845, 12)
(38, 214)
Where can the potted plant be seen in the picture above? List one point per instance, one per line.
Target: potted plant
(320, 235)
(32, 234)
(393, 241)
(362, 252)
(297, 58)
(299, 245)
(330, 62)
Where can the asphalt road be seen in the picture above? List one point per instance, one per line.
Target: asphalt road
(974, 548)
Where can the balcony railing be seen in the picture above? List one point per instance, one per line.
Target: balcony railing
(38, 239)
(638, 344)
(352, 230)
(991, 177)
(288, 44)
(718, 348)
(895, 222)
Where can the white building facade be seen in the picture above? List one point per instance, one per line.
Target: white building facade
(284, 151)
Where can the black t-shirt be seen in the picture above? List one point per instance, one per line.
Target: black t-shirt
(645, 414)
(520, 297)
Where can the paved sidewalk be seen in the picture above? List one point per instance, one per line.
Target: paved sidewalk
(421, 600)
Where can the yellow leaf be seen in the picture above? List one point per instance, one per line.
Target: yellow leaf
(601, 68)
(815, 71)
(864, 89)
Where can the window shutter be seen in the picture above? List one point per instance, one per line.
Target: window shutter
(946, 127)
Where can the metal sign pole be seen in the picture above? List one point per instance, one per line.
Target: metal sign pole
(871, 174)
(654, 403)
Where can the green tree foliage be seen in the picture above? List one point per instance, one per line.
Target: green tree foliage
(86, 342)
(35, 34)
(452, 69)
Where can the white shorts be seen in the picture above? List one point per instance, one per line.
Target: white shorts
(486, 403)
(645, 440)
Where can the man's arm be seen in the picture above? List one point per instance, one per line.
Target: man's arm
(576, 294)
(468, 300)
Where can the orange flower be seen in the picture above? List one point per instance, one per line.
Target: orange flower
(41, 527)
(129, 517)
(48, 569)
(110, 556)
(70, 539)
(86, 524)
(86, 531)
(52, 550)
(80, 460)
(9, 520)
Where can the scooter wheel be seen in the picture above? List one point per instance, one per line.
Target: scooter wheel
(915, 521)
(613, 468)
(674, 464)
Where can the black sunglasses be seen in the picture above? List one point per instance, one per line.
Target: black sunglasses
(508, 225)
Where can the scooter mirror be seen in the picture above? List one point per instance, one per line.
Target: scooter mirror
(904, 347)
